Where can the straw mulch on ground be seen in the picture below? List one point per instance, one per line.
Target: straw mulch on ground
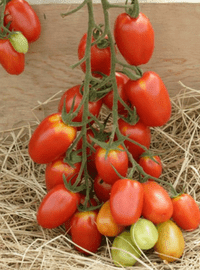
(25, 245)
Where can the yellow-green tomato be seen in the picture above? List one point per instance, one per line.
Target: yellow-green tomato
(144, 233)
(123, 251)
(19, 42)
(170, 241)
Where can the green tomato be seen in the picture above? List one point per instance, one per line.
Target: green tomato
(19, 42)
(123, 251)
(144, 234)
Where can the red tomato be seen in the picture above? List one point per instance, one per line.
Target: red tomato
(23, 18)
(151, 99)
(134, 38)
(102, 189)
(54, 172)
(100, 58)
(151, 167)
(12, 61)
(51, 139)
(186, 212)
(108, 99)
(57, 207)
(139, 133)
(117, 158)
(126, 201)
(84, 231)
(94, 107)
(157, 206)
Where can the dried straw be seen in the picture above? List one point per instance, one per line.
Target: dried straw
(25, 245)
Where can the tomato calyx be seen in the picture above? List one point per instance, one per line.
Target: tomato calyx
(134, 10)
(132, 117)
(100, 40)
(73, 188)
(72, 157)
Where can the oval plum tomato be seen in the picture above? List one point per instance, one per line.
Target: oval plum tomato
(100, 58)
(144, 93)
(74, 92)
(150, 166)
(23, 18)
(144, 234)
(139, 133)
(123, 251)
(134, 38)
(126, 201)
(51, 139)
(115, 158)
(157, 206)
(106, 223)
(186, 212)
(170, 244)
(102, 189)
(19, 42)
(84, 232)
(57, 207)
(54, 172)
(108, 99)
(12, 61)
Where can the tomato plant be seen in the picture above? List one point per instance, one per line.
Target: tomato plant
(50, 139)
(186, 212)
(150, 89)
(126, 201)
(23, 18)
(150, 166)
(170, 244)
(157, 206)
(102, 189)
(57, 206)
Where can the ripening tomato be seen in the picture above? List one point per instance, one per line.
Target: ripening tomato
(102, 189)
(170, 244)
(74, 92)
(23, 18)
(139, 133)
(150, 166)
(19, 42)
(151, 99)
(51, 139)
(12, 61)
(106, 223)
(134, 38)
(54, 172)
(121, 79)
(123, 251)
(157, 206)
(57, 206)
(84, 231)
(115, 158)
(186, 212)
(126, 201)
(100, 58)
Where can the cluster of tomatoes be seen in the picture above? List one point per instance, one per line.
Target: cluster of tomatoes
(20, 26)
(136, 212)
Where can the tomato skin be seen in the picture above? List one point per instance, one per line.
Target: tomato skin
(94, 107)
(50, 139)
(151, 167)
(139, 133)
(121, 79)
(12, 61)
(157, 206)
(102, 189)
(117, 158)
(150, 89)
(170, 241)
(23, 18)
(186, 212)
(126, 201)
(98, 57)
(84, 231)
(106, 223)
(54, 172)
(57, 207)
(134, 38)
